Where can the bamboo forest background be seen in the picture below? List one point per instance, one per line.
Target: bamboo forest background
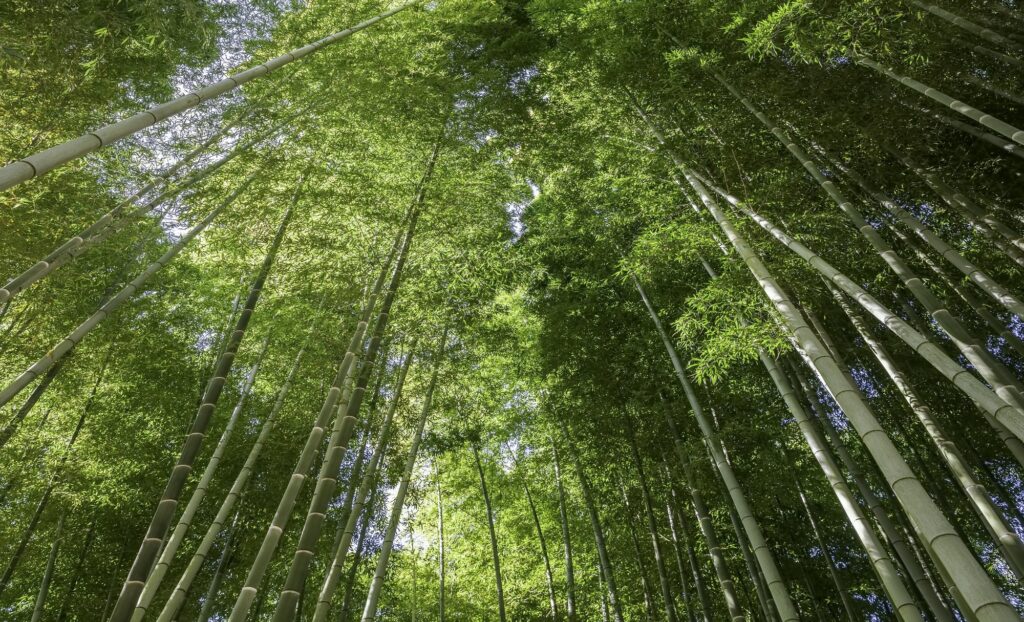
(679, 310)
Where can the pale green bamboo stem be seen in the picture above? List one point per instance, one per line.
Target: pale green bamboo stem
(1007, 130)
(177, 597)
(882, 564)
(170, 549)
(987, 400)
(966, 24)
(286, 505)
(333, 578)
(370, 608)
(979, 217)
(44, 161)
(980, 49)
(79, 243)
(159, 524)
(75, 337)
(991, 517)
(289, 598)
(780, 593)
(1000, 143)
(983, 598)
(700, 510)
(914, 567)
(51, 562)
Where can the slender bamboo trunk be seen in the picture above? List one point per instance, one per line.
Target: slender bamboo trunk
(732, 603)
(706, 612)
(780, 594)
(298, 477)
(684, 589)
(995, 325)
(159, 524)
(357, 472)
(30, 402)
(951, 552)
(370, 609)
(327, 479)
(543, 551)
(967, 25)
(76, 572)
(881, 563)
(44, 500)
(226, 555)
(440, 549)
(652, 526)
(991, 517)
(978, 116)
(893, 535)
(177, 597)
(981, 219)
(42, 162)
(602, 594)
(844, 595)
(369, 477)
(989, 52)
(59, 351)
(1005, 413)
(495, 558)
(357, 557)
(166, 558)
(595, 523)
(645, 585)
(51, 561)
(1000, 143)
(570, 578)
(116, 219)
(992, 88)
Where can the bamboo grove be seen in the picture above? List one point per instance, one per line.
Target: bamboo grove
(668, 310)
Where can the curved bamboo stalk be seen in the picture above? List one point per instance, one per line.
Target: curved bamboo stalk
(327, 479)
(120, 216)
(1006, 414)
(333, 578)
(163, 564)
(75, 337)
(998, 142)
(177, 597)
(247, 595)
(780, 593)
(570, 575)
(652, 527)
(44, 161)
(725, 582)
(157, 530)
(983, 598)
(1009, 542)
(968, 25)
(370, 609)
(51, 561)
(994, 124)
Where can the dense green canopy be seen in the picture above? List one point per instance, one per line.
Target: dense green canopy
(518, 310)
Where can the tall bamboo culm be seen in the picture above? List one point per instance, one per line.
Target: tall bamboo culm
(44, 161)
(247, 595)
(370, 608)
(157, 531)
